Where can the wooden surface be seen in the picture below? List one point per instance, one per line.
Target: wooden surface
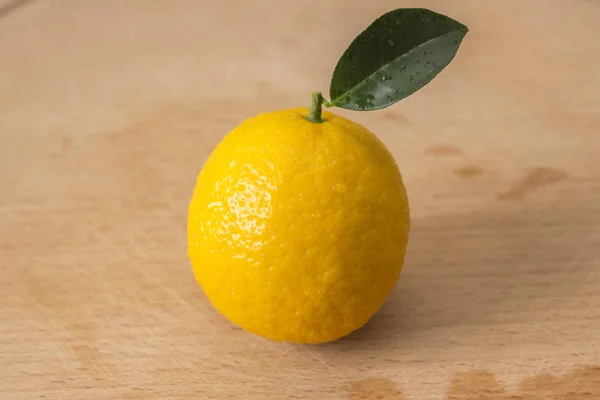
(108, 110)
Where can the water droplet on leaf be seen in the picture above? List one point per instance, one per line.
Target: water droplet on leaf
(410, 77)
(365, 102)
(391, 42)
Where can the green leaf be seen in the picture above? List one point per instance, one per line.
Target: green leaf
(398, 54)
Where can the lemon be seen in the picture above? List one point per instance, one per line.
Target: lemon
(299, 220)
(297, 231)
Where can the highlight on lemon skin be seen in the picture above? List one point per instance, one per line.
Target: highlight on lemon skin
(299, 220)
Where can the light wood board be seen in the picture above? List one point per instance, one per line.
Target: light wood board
(108, 110)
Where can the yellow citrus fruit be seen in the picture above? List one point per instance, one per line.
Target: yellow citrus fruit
(297, 230)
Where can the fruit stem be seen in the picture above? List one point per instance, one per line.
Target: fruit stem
(316, 108)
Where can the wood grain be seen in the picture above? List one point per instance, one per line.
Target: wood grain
(108, 110)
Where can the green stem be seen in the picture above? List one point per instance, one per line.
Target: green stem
(316, 108)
